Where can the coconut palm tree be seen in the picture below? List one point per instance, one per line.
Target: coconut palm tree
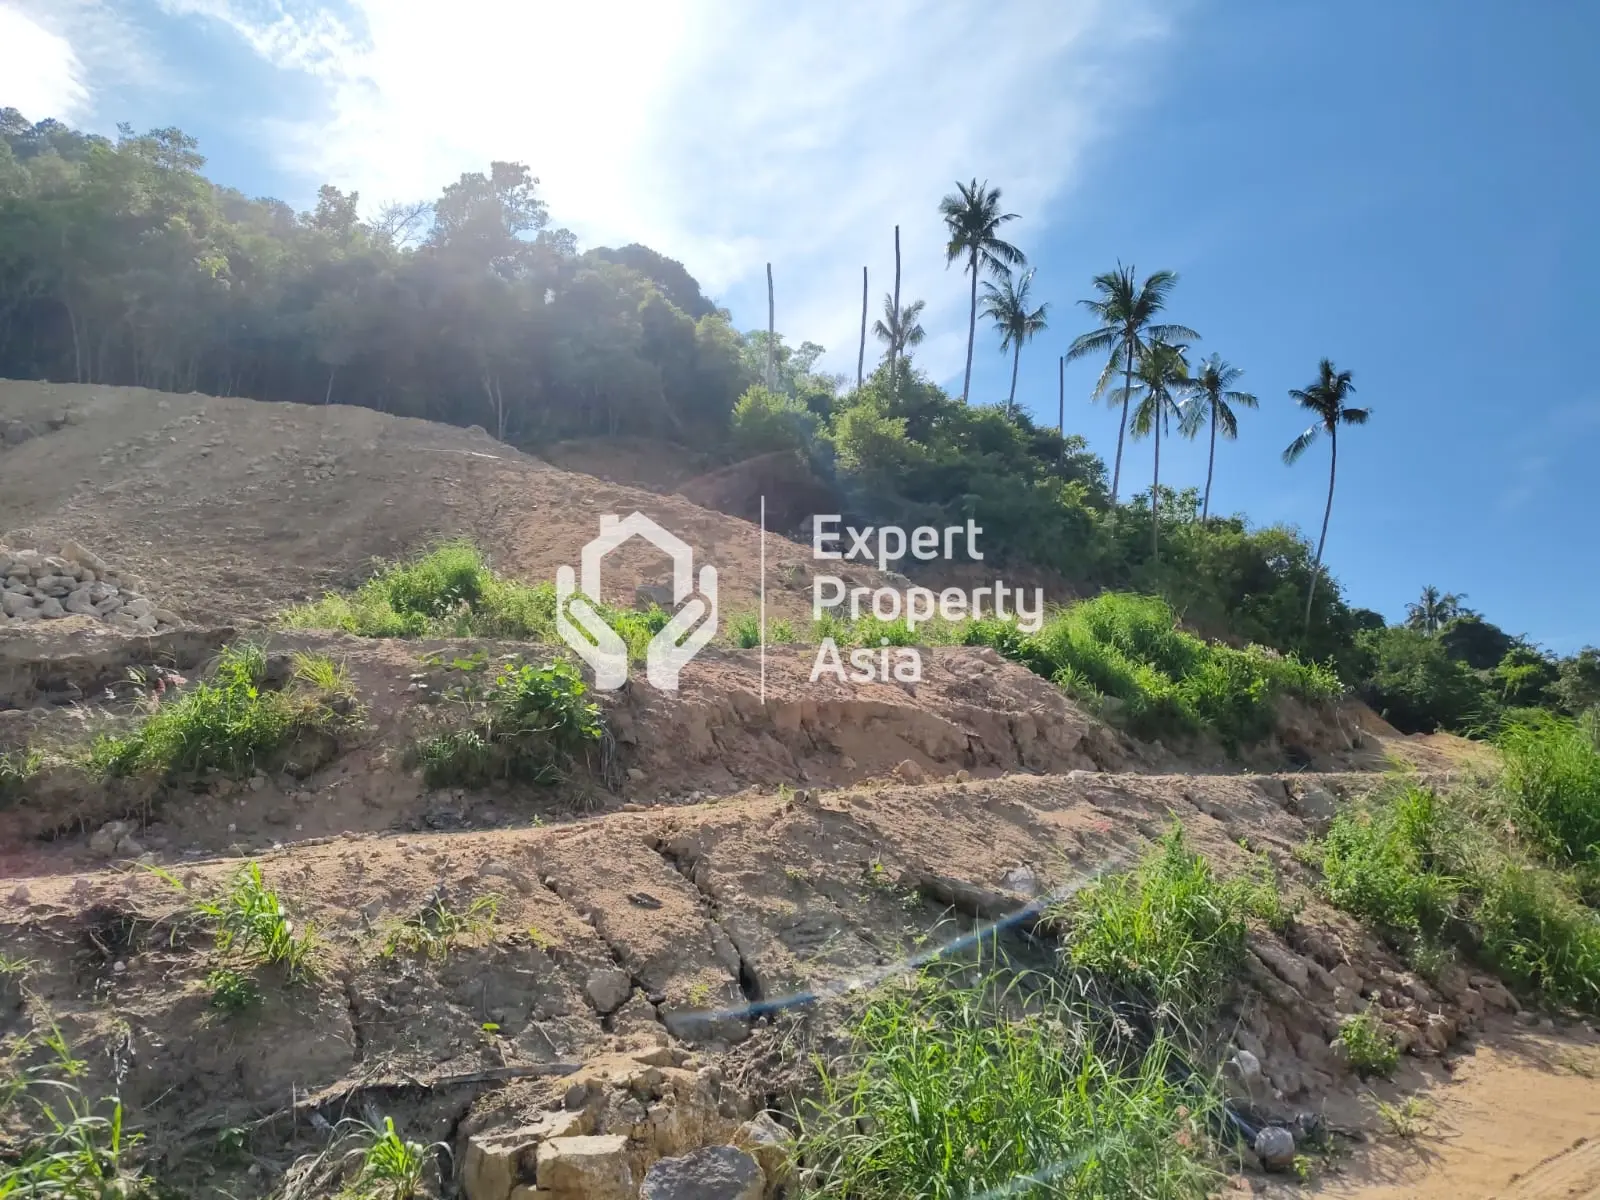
(1434, 610)
(973, 217)
(1162, 375)
(1211, 398)
(1007, 307)
(899, 330)
(1125, 308)
(1325, 397)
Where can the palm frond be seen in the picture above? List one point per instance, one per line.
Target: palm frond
(1301, 444)
(1355, 416)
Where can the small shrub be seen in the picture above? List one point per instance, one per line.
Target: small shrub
(249, 922)
(391, 1166)
(232, 990)
(529, 723)
(1368, 1048)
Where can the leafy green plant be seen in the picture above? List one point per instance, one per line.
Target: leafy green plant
(391, 1166)
(17, 767)
(231, 721)
(232, 990)
(1367, 1046)
(249, 922)
(440, 927)
(529, 723)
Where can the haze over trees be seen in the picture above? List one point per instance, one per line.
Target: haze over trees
(121, 263)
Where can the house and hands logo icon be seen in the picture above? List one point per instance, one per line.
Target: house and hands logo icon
(692, 626)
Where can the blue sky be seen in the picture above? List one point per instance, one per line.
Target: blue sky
(1407, 188)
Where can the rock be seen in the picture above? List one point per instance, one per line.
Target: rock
(1247, 1065)
(498, 1161)
(1275, 1148)
(72, 552)
(766, 1140)
(14, 604)
(138, 608)
(711, 1173)
(50, 609)
(1286, 966)
(1347, 976)
(963, 775)
(496, 869)
(909, 772)
(1437, 1033)
(657, 595)
(1496, 996)
(608, 989)
(80, 602)
(106, 839)
(1021, 879)
(635, 774)
(20, 896)
(593, 1167)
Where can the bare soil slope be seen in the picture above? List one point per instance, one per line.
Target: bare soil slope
(230, 508)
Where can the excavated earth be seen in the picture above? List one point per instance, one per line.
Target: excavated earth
(676, 928)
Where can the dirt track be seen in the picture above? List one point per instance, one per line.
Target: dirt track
(764, 853)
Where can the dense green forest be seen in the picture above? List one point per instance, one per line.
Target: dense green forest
(121, 263)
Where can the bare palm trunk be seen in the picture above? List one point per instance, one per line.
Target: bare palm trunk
(1211, 463)
(1127, 392)
(1155, 498)
(1011, 400)
(327, 396)
(1316, 567)
(972, 328)
(894, 346)
(861, 355)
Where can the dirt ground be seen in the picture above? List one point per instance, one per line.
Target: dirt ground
(674, 929)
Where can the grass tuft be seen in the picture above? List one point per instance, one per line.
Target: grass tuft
(231, 721)
(1552, 775)
(440, 927)
(250, 924)
(1367, 1046)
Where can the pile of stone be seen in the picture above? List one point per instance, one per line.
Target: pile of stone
(36, 586)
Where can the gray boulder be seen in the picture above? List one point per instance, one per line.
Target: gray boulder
(710, 1173)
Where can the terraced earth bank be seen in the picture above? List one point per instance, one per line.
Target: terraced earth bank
(568, 984)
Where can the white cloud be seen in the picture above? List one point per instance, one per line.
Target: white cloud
(719, 133)
(40, 75)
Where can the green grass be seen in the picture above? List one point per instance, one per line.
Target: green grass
(1437, 872)
(232, 990)
(957, 1090)
(17, 767)
(440, 927)
(75, 1149)
(362, 1162)
(745, 632)
(1367, 1046)
(231, 721)
(1552, 775)
(528, 723)
(1169, 934)
(1126, 654)
(251, 925)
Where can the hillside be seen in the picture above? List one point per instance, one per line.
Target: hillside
(590, 967)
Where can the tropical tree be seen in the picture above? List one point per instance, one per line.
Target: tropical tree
(1434, 610)
(1211, 398)
(1162, 375)
(899, 330)
(1126, 309)
(1007, 307)
(1325, 397)
(973, 217)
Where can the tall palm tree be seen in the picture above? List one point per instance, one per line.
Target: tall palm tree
(899, 330)
(1325, 397)
(1125, 308)
(973, 217)
(1210, 397)
(1434, 610)
(1007, 307)
(1163, 375)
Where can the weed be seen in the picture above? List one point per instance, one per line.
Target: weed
(1433, 875)
(230, 721)
(17, 767)
(232, 990)
(1168, 934)
(248, 920)
(439, 927)
(968, 1089)
(529, 723)
(541, 939)
(1406, 1119)
(362, 1162)
(1368, 1048)
(77, 1149)
(391, 1166)
(745, 632)
(1552, 775)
